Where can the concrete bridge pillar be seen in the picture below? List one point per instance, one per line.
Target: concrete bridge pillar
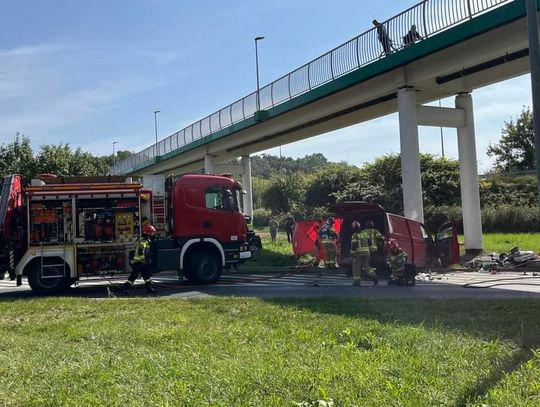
(468, 170)
(208, 164)
(410, 155)
(246, 183)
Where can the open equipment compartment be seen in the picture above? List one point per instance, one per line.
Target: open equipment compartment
(99, 223)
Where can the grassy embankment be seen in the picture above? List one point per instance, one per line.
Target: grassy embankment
(143, 352)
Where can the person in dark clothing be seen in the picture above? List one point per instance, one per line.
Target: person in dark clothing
(141, 261)
(411, 37)
(274, 225)
(289, 226)
(383, 37)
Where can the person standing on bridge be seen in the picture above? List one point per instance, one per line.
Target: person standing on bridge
(141, 261)
(383, 37)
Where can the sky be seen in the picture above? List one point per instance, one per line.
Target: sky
(89, 73)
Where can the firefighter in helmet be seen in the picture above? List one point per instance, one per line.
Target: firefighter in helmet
(360, 253)
(141, 261)
(328, 237)
(374, 236)
(396, 261)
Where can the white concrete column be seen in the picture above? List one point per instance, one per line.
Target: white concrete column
(246, 183)
(410, 155)
(208, 164)
(468, 172)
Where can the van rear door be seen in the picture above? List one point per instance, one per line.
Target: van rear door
(418, 242)
(446, 243)
(399, 231)
(410, 236)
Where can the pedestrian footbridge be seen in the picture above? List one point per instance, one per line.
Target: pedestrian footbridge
(463, 45)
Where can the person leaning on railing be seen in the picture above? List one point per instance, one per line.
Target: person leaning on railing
(411, 37)
(383, 37)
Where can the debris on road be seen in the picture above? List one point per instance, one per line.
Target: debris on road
(429, 276)
(516, 258)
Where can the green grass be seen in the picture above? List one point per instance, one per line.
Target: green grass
(240, 352)
(503, 242)
(278, 254)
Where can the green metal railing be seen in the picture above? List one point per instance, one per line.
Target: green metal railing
(430, 17)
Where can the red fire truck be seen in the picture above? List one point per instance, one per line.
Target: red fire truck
(58, 230)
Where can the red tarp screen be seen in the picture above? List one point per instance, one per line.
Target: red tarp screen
(305, 235)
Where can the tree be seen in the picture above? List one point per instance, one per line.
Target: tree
(61, 160)
(326, 183)
(265, 166)
(381, 182)
(17, 158)
(107, 161)
(285, 193)
(516, 149)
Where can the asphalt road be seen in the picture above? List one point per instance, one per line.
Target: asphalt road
(308, 284)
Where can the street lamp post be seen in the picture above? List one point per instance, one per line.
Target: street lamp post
(258, 101)
(442, 137)
(113, 156)
(155, 127)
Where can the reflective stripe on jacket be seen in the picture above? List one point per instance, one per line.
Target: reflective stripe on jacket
(359, 243)
(397, 261)
(374, 236)
(142, 250)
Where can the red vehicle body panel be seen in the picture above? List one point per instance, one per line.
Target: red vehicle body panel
(410, 236)
(10, 204)
(191, 217)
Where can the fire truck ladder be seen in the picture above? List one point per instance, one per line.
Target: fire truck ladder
(158, 217)
(51, 270)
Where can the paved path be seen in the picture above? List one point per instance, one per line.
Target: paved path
(304, 284)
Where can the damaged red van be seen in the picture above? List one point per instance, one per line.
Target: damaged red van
(423, 249)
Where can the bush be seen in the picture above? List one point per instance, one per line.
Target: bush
(435, 216)
(502, 218)
(510, 218)
(261, 217)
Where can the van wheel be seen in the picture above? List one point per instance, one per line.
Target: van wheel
(205, 268)
(49, 285)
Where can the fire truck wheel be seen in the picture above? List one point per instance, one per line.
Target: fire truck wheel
(48, 285)
(205, 267)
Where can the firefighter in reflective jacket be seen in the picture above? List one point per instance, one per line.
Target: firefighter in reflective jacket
(374, 236)
(396, 260)
(360, 253)
(328, 238)
(141, 263)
